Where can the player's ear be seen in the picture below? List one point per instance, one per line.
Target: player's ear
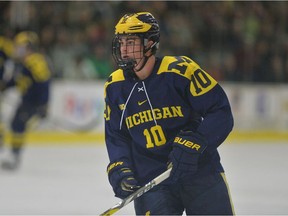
(149, 44)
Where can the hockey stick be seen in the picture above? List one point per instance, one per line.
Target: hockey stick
(137, 193)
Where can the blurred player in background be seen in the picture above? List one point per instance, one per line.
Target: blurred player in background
(164, 111)
(32, 78)
(6, 50)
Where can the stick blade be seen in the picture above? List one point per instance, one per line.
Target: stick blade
(113, 209)
(110, 212)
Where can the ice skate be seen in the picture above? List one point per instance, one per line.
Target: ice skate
(11, 163)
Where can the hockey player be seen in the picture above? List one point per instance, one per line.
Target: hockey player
(164, 111)
(6, 50)
(31, 78)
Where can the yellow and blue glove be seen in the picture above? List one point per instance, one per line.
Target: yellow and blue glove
(184, 157)
(122, 180)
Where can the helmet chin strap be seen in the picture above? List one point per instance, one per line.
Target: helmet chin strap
(143, 64)
(145, 57)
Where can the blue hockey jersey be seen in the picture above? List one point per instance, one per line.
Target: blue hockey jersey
(142, 117)
(6, 49)
(32, 78)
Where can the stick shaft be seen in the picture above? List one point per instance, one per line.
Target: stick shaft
(137, 193)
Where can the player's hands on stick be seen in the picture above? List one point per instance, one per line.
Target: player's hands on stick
(122, 180)
(129, 184)
(187, 148)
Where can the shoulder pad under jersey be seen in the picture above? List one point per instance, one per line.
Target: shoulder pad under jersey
(201, 81)
(6, 45)
(37, 65)
(116, 76)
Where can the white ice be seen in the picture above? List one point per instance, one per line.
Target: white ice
(71, 180)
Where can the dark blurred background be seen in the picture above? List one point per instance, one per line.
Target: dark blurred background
(232, 40)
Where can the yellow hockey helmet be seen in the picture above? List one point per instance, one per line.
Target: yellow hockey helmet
(143, 25)
(27, 38)
(139, 23)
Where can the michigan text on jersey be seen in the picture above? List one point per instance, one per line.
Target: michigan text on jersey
(147, 115)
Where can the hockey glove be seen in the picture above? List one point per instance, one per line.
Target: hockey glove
(129, 184)
(122, 180)
(187, 148)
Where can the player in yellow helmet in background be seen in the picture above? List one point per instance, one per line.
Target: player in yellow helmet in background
(32, 79)
(6, 50)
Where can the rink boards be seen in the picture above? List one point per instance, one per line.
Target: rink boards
(76, 113)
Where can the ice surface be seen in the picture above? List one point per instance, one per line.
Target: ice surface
(71, 180)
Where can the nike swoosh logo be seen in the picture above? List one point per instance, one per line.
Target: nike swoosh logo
(141, 102)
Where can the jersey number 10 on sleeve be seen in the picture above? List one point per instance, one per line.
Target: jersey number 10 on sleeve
(201, 82)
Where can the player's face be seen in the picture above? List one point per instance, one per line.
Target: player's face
(20, 51)
(131, 48)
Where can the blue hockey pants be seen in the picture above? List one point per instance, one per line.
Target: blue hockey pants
(205, 195)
